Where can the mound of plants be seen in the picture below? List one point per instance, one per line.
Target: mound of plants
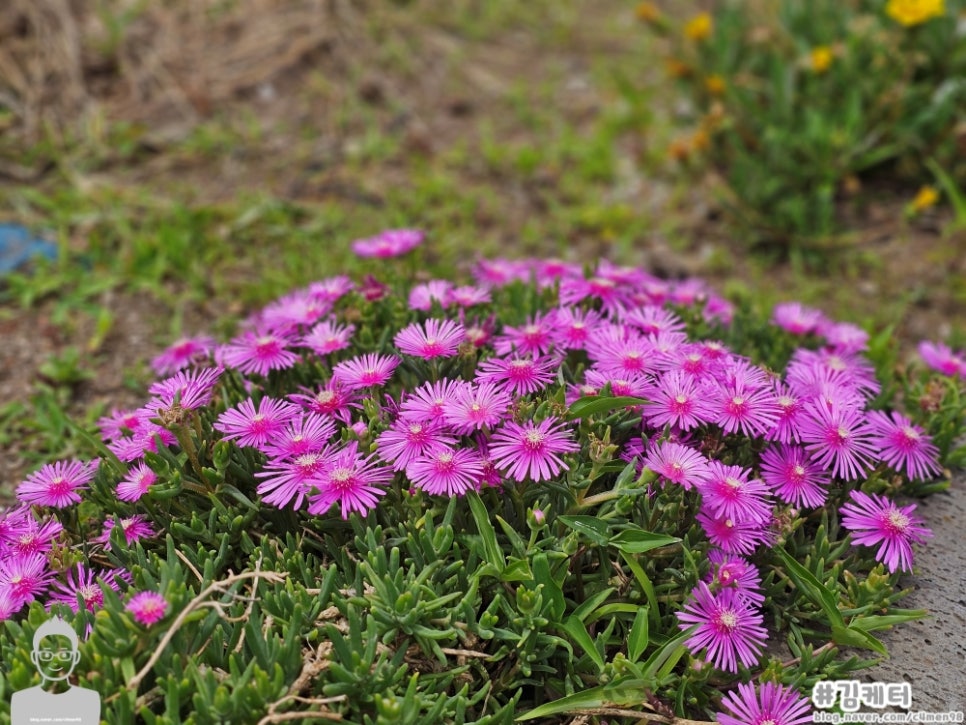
(542, 493)
(799, 106)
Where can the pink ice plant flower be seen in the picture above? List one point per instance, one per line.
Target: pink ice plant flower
(290, 480)
(333, 400)
(136, 483)
(535, 337)
(85, 584)
(365, 371)
(406, 440)
(257, 353)
(875, 520)
(183, 353)
(737, 573)
(677, 400)
(134, 528)
(431, 339)
(422, 296)
(794, 477)
(678, 464)
(428, 401)
(772, 704)
(304, 433)
(904, 446)
(33, 537)
(147, 608)
(57, 484)
(838, 439)
(445, 470)
(532, 451)
(726, 626)
(24, 578)
(350, 479)
(192, 389)
(518, 375)
(474, 407)
(941, 358)
(796, 318)
(730, 492)
(388, 244)
(328, 337)
(250, 427)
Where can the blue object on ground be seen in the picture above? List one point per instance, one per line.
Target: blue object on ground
(18, 245)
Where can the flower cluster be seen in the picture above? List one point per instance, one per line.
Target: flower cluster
(466, 388)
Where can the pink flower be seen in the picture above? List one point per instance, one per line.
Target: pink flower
(533, 338)
(517, 375)
(726, 625)
(797, 319)
(531, 451)
(677, 400)
(469, 296)
(405, 441)
(290, 479)
(794, 476)
(305, 433)
(572, 327)
(476, 406)
(678, 464)
(775, 704)
(785, 429)
(293, 312)
(390, 243)
(134, 529)
(328, 337)
(121, 423)
(147, 608)
(624, 355)
(446, 471)
(808, 370)
(733, 536)
(24, 578)
(57, 484)
(30, 537)
(330, 401)
(350, 479)
(942, 359)
(434, 338)
(183, 353)
(248, 427)
(737, 573)
(422, 296)
(653, 320)
(136, 483)
(874, 519)
(331, 289)
(428, 400)
(365, 371)
(744, 402)
(838, 439)
(256, 353)
(84, 583)
(904, 446)
(730, 493)
(191, 389)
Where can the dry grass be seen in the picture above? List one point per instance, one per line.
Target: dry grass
(167, 63)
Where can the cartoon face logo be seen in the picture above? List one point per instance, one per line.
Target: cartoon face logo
(55, 656)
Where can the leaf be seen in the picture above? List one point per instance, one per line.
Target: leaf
(898, 616)
(637, 637)
(811, 587)
(491, 548)
(551, 587)
(518, 570)
(622, 692)
(593, 404)
(853, 637)
(646, 585)
(590, 526)
(663, 660)
(637, 541)
(589, 605)
(575, 628)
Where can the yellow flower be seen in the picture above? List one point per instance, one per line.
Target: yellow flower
(699, 27)
(714, 84)
(914, 12)
(700, 141)
(647, 12)
(821, 58)
(927, 197)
